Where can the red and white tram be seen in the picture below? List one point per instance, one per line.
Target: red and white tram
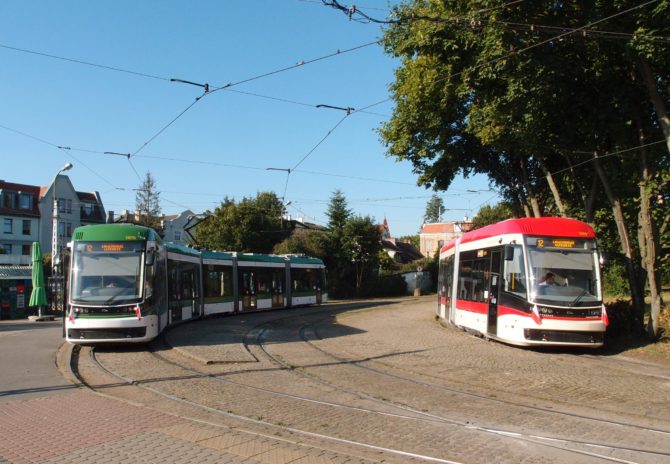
(531, 281)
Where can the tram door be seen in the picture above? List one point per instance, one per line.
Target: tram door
(247, 289)
(493, 292)
(189, 295)
(278, 279)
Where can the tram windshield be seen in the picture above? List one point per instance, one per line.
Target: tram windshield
(107, 272)
(563, 271)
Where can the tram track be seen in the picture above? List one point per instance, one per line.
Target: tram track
(255, 336)
(360, 365)
(532, 438)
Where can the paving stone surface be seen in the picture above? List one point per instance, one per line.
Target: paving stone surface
(384, 383)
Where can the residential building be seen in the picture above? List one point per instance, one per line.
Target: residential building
(20, 222)
(74, 209)
(26, 216)
(401, 252)
(176, 227)
(435, 235)
(19, 219)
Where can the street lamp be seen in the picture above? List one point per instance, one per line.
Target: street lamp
(55, 242)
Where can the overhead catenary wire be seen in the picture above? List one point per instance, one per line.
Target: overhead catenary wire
(535, 45)
(63, 148)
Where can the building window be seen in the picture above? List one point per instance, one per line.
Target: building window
(6, 249)
(177, 235)
(26, 250)
(26, 227)
(7, 226)
(9, 200)
(25, 201)
(64, 205)
(87, 209)
(68, 229)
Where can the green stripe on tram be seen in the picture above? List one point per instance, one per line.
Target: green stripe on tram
(114, 233)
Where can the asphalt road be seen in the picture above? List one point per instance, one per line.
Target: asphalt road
(28, 360)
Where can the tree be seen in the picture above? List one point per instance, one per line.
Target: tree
(337, 261)
(434, 209)
(252, 225)
(488, 215)
(147, 203)
(362, 243)
(494, 95)
(415, 240)
(338, 211)
(309, 242)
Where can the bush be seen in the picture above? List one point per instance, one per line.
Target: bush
(622, 318)
(615, 280)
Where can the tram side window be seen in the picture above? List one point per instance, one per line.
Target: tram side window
(473, 275)
(218, 281)
(149, 282)
(465, 277)
(446, 278)
(515, 273)
(247, 280)
(304, 280)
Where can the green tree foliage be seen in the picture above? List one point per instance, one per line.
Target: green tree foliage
(147, 203)
(252, 225)
(434, 209)
(413, 239)
(562, 117)
(488, 215)
(361, 242)
(308, 242)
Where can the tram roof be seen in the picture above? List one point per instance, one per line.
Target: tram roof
(209, 254)
(114, 233)
(304, 260)
(541, 227)
(259, 257)
(181, 249)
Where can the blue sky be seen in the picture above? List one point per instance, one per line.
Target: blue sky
(223, 145)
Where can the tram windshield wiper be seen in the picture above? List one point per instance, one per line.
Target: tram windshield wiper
(579, 297)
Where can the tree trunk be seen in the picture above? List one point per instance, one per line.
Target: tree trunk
(659, 105)
(532, 198)
(648, 240)
(626, 248)
(590, 202)
(554, 191)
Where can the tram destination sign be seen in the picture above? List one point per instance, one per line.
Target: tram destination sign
(563, 243)
(109, 247)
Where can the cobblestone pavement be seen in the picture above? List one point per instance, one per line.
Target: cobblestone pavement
(382, 383)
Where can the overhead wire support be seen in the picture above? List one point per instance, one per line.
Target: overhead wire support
(127, 155)
(348, 109)
(205, 86)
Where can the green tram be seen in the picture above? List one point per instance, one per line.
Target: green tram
(127, 285)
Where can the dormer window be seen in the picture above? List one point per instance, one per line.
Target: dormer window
(25, 201)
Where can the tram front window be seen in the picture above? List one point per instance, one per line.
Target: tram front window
(106, 273)
(563, 276)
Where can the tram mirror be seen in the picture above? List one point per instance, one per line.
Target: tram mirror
(509, 253)
(151, 256)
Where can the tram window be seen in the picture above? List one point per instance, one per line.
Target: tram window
(218, 281)
(149, 280)
(303, 280)
(465, 286)
(515, 273)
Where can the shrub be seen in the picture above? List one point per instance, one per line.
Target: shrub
(615, 280)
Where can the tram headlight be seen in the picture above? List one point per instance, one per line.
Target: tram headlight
(546, 311)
